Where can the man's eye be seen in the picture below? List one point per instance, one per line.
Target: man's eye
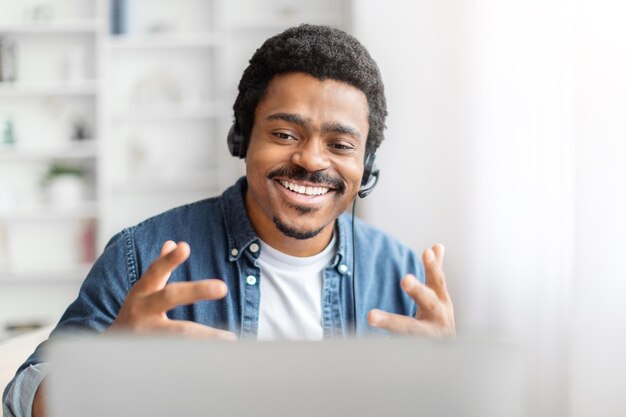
(341, 147)
(283, 136)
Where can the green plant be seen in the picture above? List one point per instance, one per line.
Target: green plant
(58, 169)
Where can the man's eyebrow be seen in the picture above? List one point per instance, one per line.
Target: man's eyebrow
(341, 129)
(305, 123)
(291, 118)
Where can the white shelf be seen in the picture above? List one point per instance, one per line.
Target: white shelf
(84, 150)
(87, 210)
(83, 88)
(52, 27)
(164, 41)
(71, 273)
(201, 181)
(180, 112)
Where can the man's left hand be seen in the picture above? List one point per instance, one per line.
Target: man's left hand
(435, 316)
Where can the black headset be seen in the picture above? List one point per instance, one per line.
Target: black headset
(238, 145)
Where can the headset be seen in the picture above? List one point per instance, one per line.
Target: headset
(238, 145)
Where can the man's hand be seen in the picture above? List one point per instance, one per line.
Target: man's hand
(435, 315)
(151, 297)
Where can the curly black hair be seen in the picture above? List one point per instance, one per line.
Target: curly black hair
(324, 53)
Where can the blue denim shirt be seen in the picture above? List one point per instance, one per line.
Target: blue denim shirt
(220, 234)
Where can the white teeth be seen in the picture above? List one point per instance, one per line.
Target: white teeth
(301, 189)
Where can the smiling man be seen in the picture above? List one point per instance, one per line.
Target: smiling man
(305, 160)
(274, 257)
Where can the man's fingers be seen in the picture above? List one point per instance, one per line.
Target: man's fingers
(439, 251)
(184, 293)
(397, 323)
(425, 297)
(167, 247)
(435, 277)
(197, 330)
(159, 271)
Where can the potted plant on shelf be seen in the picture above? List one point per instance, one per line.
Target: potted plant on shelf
(65, 185)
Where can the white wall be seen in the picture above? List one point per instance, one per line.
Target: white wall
(481, 155)
(599, 313)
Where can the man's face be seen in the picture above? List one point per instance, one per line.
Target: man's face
(305, 156)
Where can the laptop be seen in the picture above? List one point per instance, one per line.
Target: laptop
(158, 377)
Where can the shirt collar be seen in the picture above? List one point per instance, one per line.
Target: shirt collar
(239, 231)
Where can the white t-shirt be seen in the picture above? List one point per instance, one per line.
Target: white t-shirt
(291, 294)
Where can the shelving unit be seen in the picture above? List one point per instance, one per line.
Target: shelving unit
(56, 84)
(157, 105)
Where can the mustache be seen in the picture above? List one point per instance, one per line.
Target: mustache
(298, 173)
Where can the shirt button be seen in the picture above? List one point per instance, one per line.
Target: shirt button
(254, 248)
(250, 280)
(234, 252)
(343, 268)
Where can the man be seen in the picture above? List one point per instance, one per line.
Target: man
(274, 257)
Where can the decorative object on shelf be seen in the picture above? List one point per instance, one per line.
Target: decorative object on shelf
(119, 17)
(8, 59)
(80, 131)
(65, 185)
(88, 242)
(42, 12)
(7, 136)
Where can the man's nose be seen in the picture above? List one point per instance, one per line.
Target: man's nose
(311, 155)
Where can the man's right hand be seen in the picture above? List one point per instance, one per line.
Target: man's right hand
(144, 309)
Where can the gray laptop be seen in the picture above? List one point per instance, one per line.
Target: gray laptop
(161, 377)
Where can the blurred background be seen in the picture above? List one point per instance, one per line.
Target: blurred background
(506, 140)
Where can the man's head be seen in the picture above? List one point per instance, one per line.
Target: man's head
(322, 52)
(310, 106)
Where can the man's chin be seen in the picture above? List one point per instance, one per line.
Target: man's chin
(296, 233)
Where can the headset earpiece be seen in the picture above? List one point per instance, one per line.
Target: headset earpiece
(370, 176)
(236, 142)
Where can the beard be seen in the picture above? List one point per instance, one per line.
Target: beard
(298, 173)
(296, 233)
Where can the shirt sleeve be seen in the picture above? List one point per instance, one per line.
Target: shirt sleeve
(99, 299)
(20, 393)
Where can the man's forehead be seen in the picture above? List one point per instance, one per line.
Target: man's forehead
(284, 82)
(313, 100)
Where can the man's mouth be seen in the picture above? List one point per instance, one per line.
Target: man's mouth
(304, 189)
(311, 186)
